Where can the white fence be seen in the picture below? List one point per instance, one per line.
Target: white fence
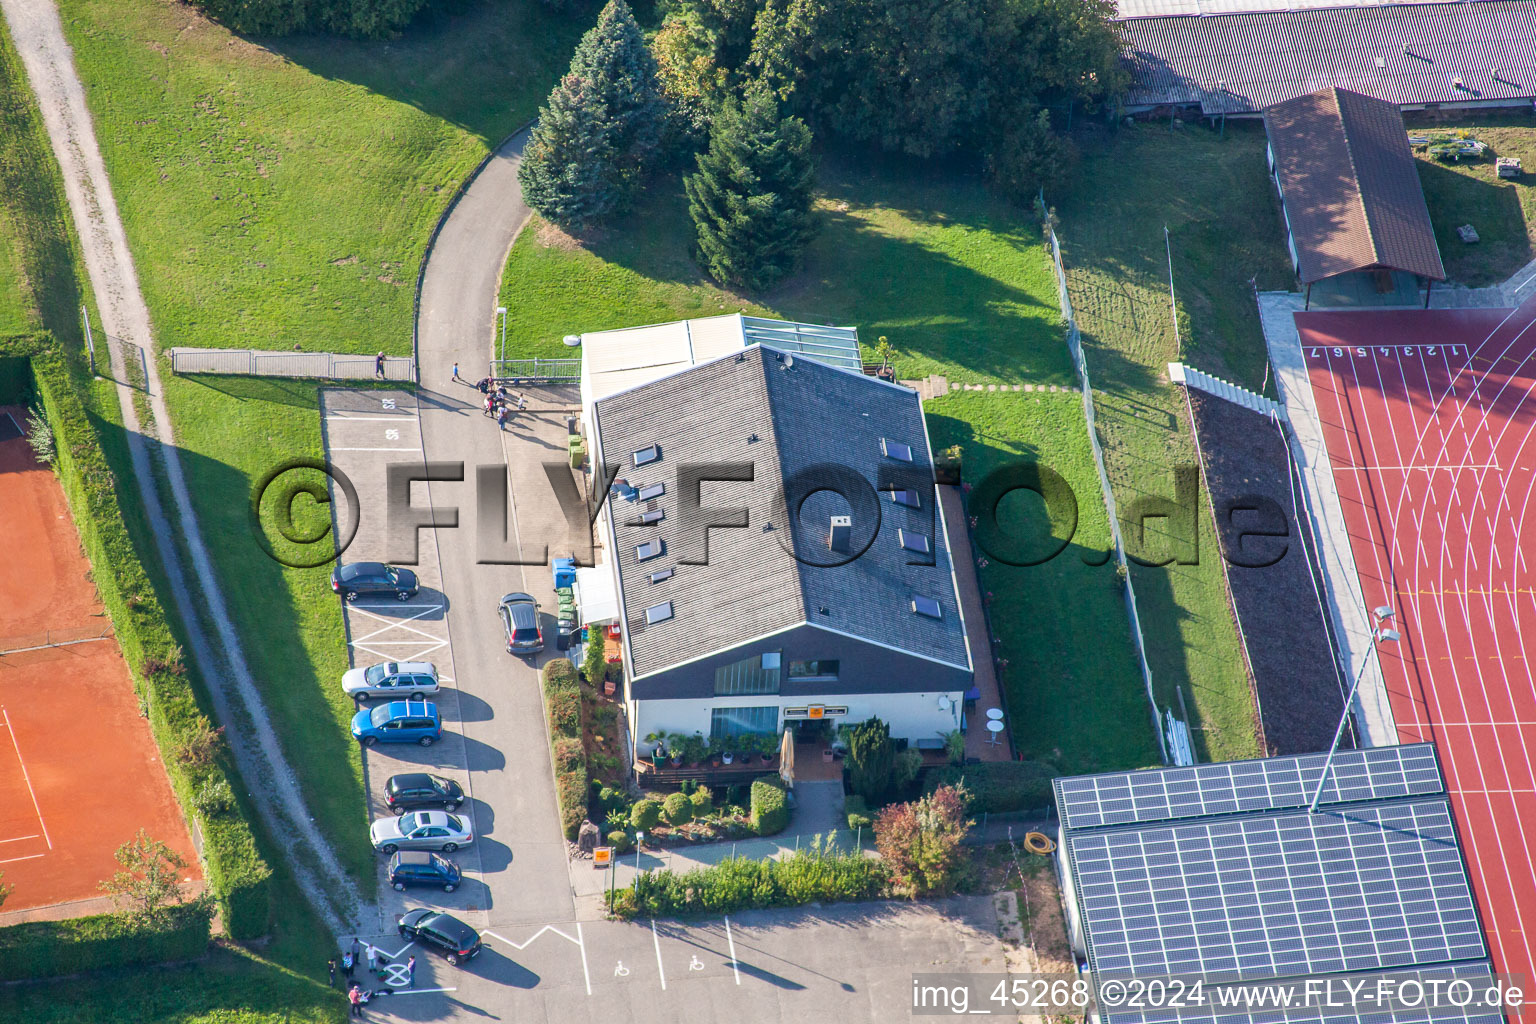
(1075, 345)
(319, 365)
(536, 369)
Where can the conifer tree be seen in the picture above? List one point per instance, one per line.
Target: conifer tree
(567, 172)
(621, 71)
(751, 196)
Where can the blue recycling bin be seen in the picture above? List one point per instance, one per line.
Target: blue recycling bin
(565, 572)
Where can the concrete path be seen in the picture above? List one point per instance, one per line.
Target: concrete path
(49, 62)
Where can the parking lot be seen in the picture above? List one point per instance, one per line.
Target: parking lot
(853, 962)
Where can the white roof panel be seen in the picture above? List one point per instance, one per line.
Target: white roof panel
(1164, 8)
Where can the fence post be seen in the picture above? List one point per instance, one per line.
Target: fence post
(85, 315)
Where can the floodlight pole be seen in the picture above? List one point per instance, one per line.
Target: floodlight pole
(1378, 634)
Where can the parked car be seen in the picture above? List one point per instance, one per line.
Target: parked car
(357, 578)
(399, 721)
(441, 933)
(418, 867)
(421, 830)
(520, 623)
(418, 789)
(410, 679)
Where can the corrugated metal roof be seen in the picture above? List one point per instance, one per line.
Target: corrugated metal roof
(1352, 191)
(786, 417)
(1405, 54)
(1164, 8)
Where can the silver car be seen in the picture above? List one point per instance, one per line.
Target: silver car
(421, 830)
(392, 680)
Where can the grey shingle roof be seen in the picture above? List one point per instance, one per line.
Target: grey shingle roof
(1243, 63)
(1352, 191)
(805, 416)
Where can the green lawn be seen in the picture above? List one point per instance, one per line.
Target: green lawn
(955, 279)
(1214, 196)
(1502, 211)
(1074, 692)
(282, 192)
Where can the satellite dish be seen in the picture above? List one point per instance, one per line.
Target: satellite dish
(572, 340)
(789, 361)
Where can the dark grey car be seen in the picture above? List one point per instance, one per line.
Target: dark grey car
(520, 623)
(356, 579)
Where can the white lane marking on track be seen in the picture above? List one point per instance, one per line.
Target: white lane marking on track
(18, 839)
(12, 860)
(731, 942)
(5, 716)
(657, 939)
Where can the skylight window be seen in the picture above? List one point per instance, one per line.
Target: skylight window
(926, 606)
(655, 515)
(658, 613)
(914, 542)
(907, 497)
(662, 574)
(649, 549)
(646, 456)
(652, 491)
(896, 450)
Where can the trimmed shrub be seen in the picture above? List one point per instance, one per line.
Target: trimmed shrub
(857, 812)
(45, 949)
(564, 714)
(568, 755)
(571, 789)
(238, 876)
(620, 841)
(999, 786)
(677, 808)
(560, 674)
(703, 803)
(645, 814)
(770, 812)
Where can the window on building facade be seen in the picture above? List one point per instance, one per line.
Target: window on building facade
(825, 668)
(757, 674)
(726, 722)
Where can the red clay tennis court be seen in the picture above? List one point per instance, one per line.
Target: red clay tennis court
(79, 772)
(1428, 417)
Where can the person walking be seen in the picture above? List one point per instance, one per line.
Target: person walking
(355, 997)
(348, 964)
(521, 403)
(410, 970)
(490, 404)
(456, 370)
(378, 366)
(330, 966)
(501, 417)
(373, 959)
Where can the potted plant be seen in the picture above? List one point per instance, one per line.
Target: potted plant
(694, 749)
(675, 748)
(659, 750)
(728, 748)
(716, 751)
(769, 748)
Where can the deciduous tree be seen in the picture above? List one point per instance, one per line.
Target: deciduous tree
(921, 841)
(150, 876)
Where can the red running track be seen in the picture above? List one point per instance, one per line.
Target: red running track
(1429, 419)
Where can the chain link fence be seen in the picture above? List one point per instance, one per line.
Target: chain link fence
(1075, 345)
(317, 365)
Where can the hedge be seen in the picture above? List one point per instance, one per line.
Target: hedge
(41, 949)
(770, 812)
(562, 705)
(237, 875)
(999, 786)
(816, 874)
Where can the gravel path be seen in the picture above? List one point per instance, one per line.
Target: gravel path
(39, 37)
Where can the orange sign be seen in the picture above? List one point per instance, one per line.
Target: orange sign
(601, 856)
(815, 711)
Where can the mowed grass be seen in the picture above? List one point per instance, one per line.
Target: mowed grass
(231, 432)
(1502, 210)
(952, 277)
(1213, 194)
(281, 192)
(1068, 670)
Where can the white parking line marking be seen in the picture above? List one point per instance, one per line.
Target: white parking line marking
(419, 991)
(417, 449)
(396, 416)
(657, 939)
(525, 945)
(582, 943)
(40, 822)
(732, 943)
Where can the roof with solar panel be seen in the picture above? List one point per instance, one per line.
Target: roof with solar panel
(1221, 871)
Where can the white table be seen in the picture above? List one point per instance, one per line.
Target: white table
(995, 714)
(994, 727)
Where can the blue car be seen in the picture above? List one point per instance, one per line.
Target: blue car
(399, 721)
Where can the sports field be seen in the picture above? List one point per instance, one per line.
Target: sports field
(1429, 417)
(79, 771)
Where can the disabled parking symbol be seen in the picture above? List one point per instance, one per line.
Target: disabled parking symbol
(695, 964)
(621, 971)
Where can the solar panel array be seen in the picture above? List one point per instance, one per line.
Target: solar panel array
(1169, 794)
(1478, 974)
(1276, 895)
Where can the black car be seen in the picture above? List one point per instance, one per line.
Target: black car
(356, 578)
(520, 623)
(441, 933)
(421, 867)
(407, 792)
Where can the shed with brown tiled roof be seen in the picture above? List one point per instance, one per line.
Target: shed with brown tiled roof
(1349, 187)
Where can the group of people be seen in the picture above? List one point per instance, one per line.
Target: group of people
(499, 404)
(357, 996)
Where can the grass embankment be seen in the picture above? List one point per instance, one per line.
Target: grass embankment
(1213, 194)
(1503, 211)
(40, 264)
(1066, 660)
(951, 276)
(961, 285)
